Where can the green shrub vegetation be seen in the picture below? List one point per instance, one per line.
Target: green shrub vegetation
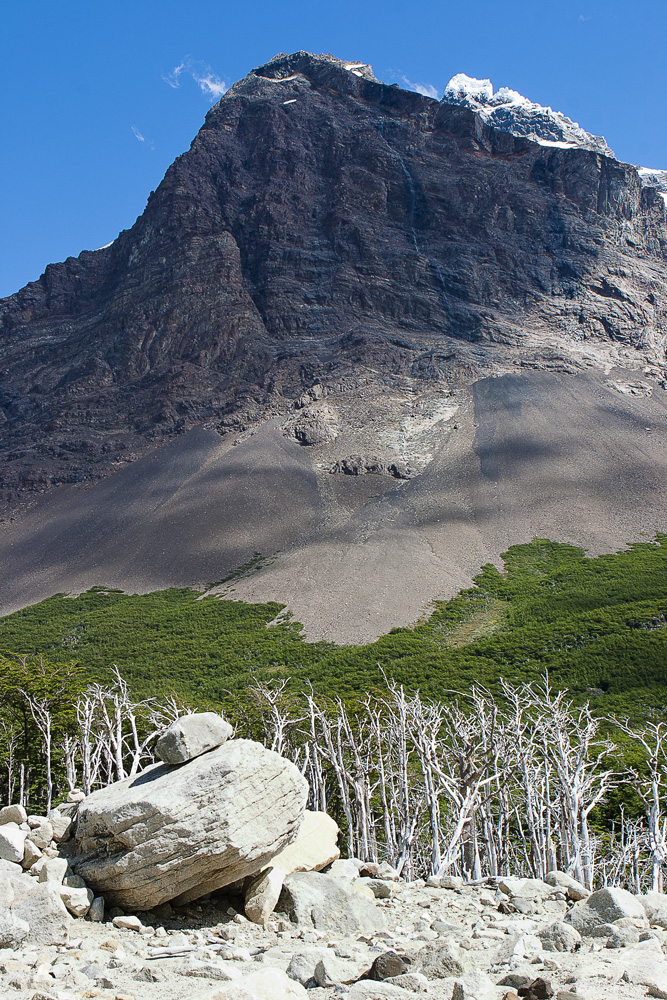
(597, 625)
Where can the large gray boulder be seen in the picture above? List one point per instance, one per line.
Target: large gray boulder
(25, 902)
(604, 907)
(178, 832)
(324, 903)
(190, 736)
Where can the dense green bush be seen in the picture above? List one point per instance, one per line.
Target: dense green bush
(597, 625)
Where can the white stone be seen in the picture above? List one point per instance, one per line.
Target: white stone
(655, 907)
(61, 826)
(268, 984)
(31, 853)
(344, 868)
(474, 986)
(190, 736)
(561, 880)
(328, 904)
(129, 923)
(13, 930)
(262, 893)
(178, 833)
(559, 937)
(12, 842)
(604, 907)
(77, 901)
(42, 835)
(53, 870)
(13, 814)
(314, 848)
(38, 904)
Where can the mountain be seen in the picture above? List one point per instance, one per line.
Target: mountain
(374, 337)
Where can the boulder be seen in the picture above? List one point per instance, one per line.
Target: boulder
(329, 904)
(604, 907)
(655, 907)
(262, 893)
(440, 960)
(77, 901)
(42, 835)
(12, 842)
(474, 986)
(561, 880)
(31, 853)
(559, 937)
(13, 930)
(314, 848)
(13, 814)
(53, 870)
(37, 904)
(61, 825)
(190, 736)
(180, 832)
(269, 984)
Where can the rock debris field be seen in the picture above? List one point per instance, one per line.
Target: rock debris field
(219, 885)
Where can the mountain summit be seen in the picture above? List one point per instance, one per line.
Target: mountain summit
(383, 335)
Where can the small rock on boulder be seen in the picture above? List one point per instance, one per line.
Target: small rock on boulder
(190, 736)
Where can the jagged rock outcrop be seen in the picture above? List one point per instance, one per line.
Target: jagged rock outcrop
(321, 223)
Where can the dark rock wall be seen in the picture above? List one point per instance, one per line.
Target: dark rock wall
(320, 221)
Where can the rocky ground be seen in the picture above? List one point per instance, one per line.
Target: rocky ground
(440, 942)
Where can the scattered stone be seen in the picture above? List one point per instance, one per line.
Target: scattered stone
(42, 834)
(387, 966)
(655, 907)
(13, 930)
(190, 736)
(77, 901)
(474, 986)
(415, 982)
(31, 853)
(129, 923)
(269, 984)
(76, 795)
(538, 989)
(440, 960)
(96, 911)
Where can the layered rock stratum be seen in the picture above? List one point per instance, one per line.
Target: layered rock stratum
(375, 337)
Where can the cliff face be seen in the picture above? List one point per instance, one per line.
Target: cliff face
(324, 225)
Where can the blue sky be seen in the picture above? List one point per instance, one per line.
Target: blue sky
(99, 96)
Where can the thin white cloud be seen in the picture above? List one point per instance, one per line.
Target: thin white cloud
(422, 88)
(137, 134)
(208, 82)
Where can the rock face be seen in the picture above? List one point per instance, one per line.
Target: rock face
(178, 832)
(320, 220)
(190, 736)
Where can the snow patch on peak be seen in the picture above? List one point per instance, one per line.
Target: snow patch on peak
(510, 111)
(463, 89)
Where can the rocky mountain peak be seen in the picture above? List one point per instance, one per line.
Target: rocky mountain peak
(308, 64)
(509, 111)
